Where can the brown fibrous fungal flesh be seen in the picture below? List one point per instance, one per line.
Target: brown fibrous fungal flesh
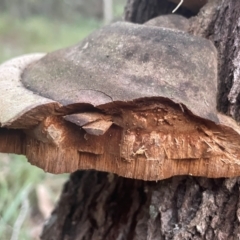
(153, 141)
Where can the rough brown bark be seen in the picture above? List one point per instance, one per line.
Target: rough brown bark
(97, 205)
(225, 33)
(140, 11)
(221, 25)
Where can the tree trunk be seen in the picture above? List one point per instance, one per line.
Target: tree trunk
(140, 11)
(97, 205)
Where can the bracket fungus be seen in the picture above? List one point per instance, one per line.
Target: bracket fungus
(134, 100)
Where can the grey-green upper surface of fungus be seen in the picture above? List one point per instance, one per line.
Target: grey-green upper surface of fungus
(123, 62)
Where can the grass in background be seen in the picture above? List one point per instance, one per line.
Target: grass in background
(40, 35)
(19, 182)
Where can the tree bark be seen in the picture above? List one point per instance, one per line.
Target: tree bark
(97, 205)
(140, 11)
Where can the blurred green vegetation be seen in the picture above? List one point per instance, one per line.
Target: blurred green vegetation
(38, 34)
(18, 179)
(18, 182)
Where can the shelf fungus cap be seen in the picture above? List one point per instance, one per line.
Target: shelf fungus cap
(135, 100)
